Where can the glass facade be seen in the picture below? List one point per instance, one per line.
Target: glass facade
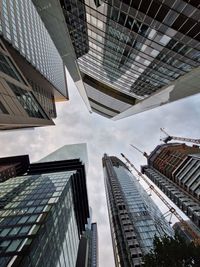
(134, 217)
(7, 67)
(75, 151)
(147, 217)
(136, 47)
(141, 46)
(43, 212)
(17, 101)
(28, 101)
(22, 27)
(75, 17)
(33, 209)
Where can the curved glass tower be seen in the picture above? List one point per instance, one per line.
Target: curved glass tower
(134, 48)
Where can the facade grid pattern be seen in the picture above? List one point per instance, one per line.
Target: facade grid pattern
(141, 46)
(22, 27)
(33, 208)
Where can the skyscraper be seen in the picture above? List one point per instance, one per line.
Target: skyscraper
(43, 213)
(134, 217)
(32, 72)
(88, 255)
(175, 169)
(131, 55)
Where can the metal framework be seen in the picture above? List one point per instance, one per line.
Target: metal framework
(143, 153)
(194, 236)
(184, 139)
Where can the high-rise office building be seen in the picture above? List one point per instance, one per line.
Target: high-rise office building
(134, 217)
(175, 169)
(127, 56)
(32, 71)
(43, 213)
(93, 249)
(88, 248)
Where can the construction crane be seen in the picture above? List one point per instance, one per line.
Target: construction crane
(143, 153)
(170, 137)
(195, 237)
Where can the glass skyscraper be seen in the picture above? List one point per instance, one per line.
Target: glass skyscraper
(22, 27)
(43, 214)
(134, 217)
(88, 255)
(32, 74)
(130, 49)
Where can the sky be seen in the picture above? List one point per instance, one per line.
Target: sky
(74, 124)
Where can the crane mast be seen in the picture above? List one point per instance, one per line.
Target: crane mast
(184, 139)
(195, 237)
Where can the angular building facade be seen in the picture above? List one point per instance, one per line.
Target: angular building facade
(175, 169)
(32, 72)
(144, 51)
(134, 217)
(43, 213)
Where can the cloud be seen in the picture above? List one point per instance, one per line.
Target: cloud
(75, 125)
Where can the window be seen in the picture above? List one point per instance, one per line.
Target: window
(3, 109)
(14, 245)
(28, 102)
(7, 67)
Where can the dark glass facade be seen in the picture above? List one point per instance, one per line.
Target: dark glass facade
(88, 248)
(19, 105)
(75, 17)
(140, 46)
(43, 214)
(13, 166)
(134, 217)
(135, 47)
(93, 251)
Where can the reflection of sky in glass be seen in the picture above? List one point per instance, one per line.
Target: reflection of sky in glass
(74, 151)
(27, 201)
(146, 216)
(17, 18)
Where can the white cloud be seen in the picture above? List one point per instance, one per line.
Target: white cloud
(75, 125)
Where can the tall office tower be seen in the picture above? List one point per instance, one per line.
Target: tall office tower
(88, 248)
(175, 169)
(93, 252)
(43, 214)
(127, 56)
(32, 73)
(134, 217)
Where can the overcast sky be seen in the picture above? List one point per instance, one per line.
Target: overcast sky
(75, 125)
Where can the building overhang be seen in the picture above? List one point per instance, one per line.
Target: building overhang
(185, 86)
